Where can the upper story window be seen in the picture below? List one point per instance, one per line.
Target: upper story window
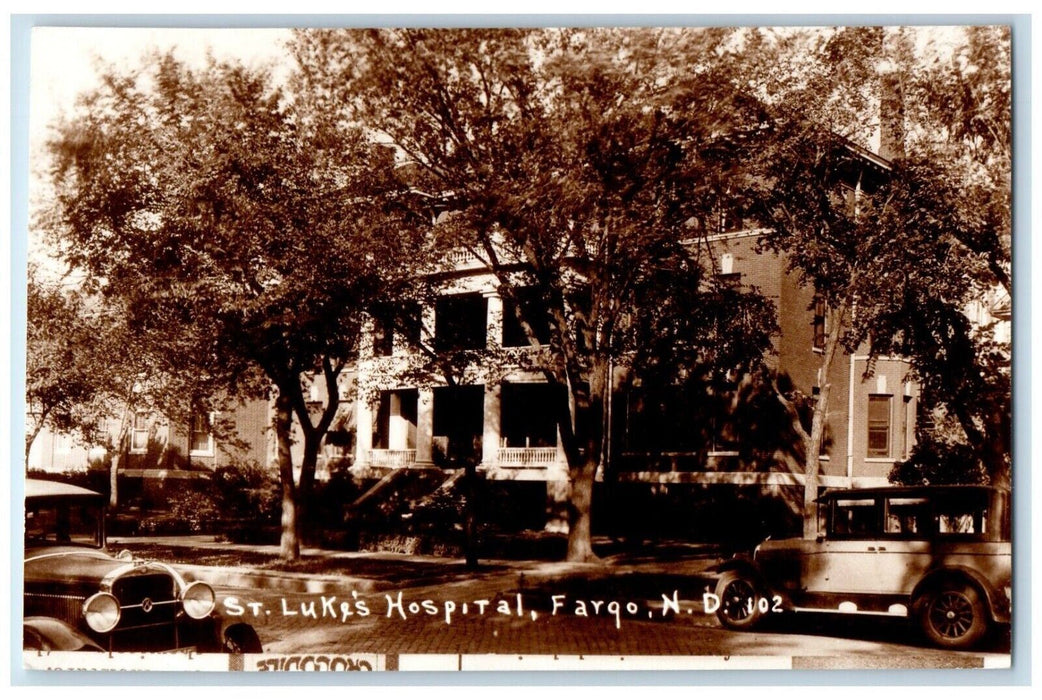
(727, 273)
(200, 439)
(383, 337)
(460, 322)
(139, 433)
(397, 324)
(534, 314)
(820, 329)
(879, 425)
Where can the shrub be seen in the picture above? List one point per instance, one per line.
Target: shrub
(935, 462)
(197, 511)
(247, 498)
(330, 498)
(246, 491)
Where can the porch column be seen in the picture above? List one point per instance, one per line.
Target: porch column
(398, 429)
(424, 427)
(428, 321)
(365, 339)
(490, 436)
(363, 410)
(363, 430)
(493, 320)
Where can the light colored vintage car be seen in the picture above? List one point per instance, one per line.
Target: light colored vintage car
(79, 597)
(940, 555)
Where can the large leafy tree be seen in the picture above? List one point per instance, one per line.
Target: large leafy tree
(62, 363)
(959, 121)
(244, 227)
(572, 162)
(896, 252)
(86, 365)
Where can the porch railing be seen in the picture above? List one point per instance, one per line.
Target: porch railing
(392, 458)
(531, 457)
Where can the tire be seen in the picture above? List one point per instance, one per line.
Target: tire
(739, 597)
(953, 616)
(241, 639)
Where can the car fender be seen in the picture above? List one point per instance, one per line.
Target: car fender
(52, 634)
(742, 564)
(961, 573)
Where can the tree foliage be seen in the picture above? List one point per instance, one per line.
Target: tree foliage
(248, 231)
(900, 254)
(64, 372)
(572, 162)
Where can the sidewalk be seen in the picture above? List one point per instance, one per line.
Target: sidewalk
(333, 571)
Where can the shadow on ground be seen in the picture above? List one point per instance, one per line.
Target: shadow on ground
(397, 570)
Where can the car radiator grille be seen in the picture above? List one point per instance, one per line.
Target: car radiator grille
(64, 607)
(146, 600)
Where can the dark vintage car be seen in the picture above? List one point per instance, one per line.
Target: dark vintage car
(80, 597)
(939, 555)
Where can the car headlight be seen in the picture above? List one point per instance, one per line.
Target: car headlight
(198, 600)
(101, 611)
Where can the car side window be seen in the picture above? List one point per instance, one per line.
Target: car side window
(855, 518)
(62, 524)
(961, 521)
(908, 517)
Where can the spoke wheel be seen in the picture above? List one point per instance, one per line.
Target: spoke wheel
(739, 601)
(953, 616)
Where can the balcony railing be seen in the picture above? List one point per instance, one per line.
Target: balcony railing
(392, 458)
(527, 457)
(461, 257)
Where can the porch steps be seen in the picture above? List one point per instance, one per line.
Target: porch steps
(375, 490)
(394, 492)
(445, 487)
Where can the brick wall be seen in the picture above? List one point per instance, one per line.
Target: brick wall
(846, 449)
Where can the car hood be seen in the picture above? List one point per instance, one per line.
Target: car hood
(74, 565)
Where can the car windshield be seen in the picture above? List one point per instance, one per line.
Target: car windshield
(63, 524)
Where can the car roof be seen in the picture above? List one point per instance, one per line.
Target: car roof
(908, 491)
(42, 488)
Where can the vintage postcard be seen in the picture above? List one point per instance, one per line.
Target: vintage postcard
(516, 349)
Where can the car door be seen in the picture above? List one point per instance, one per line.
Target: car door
(847, 559)
(906, 552)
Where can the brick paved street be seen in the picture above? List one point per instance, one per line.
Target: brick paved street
(623, 604)
(686, 634)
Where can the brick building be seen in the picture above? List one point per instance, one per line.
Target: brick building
(159, 447)
(389, 422)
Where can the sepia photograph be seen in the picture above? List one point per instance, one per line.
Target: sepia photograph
(518, 348)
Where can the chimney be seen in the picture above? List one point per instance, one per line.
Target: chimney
(891, 96)
(891, 116)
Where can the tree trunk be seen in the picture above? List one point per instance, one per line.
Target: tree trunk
(587, 411)
(306, 485)
(313, 435)
(30, 438)
(114, 477)
(289, 543)
(470, 544)
(819, 423)
(580, 501)
(813, 465)
(122, 447)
